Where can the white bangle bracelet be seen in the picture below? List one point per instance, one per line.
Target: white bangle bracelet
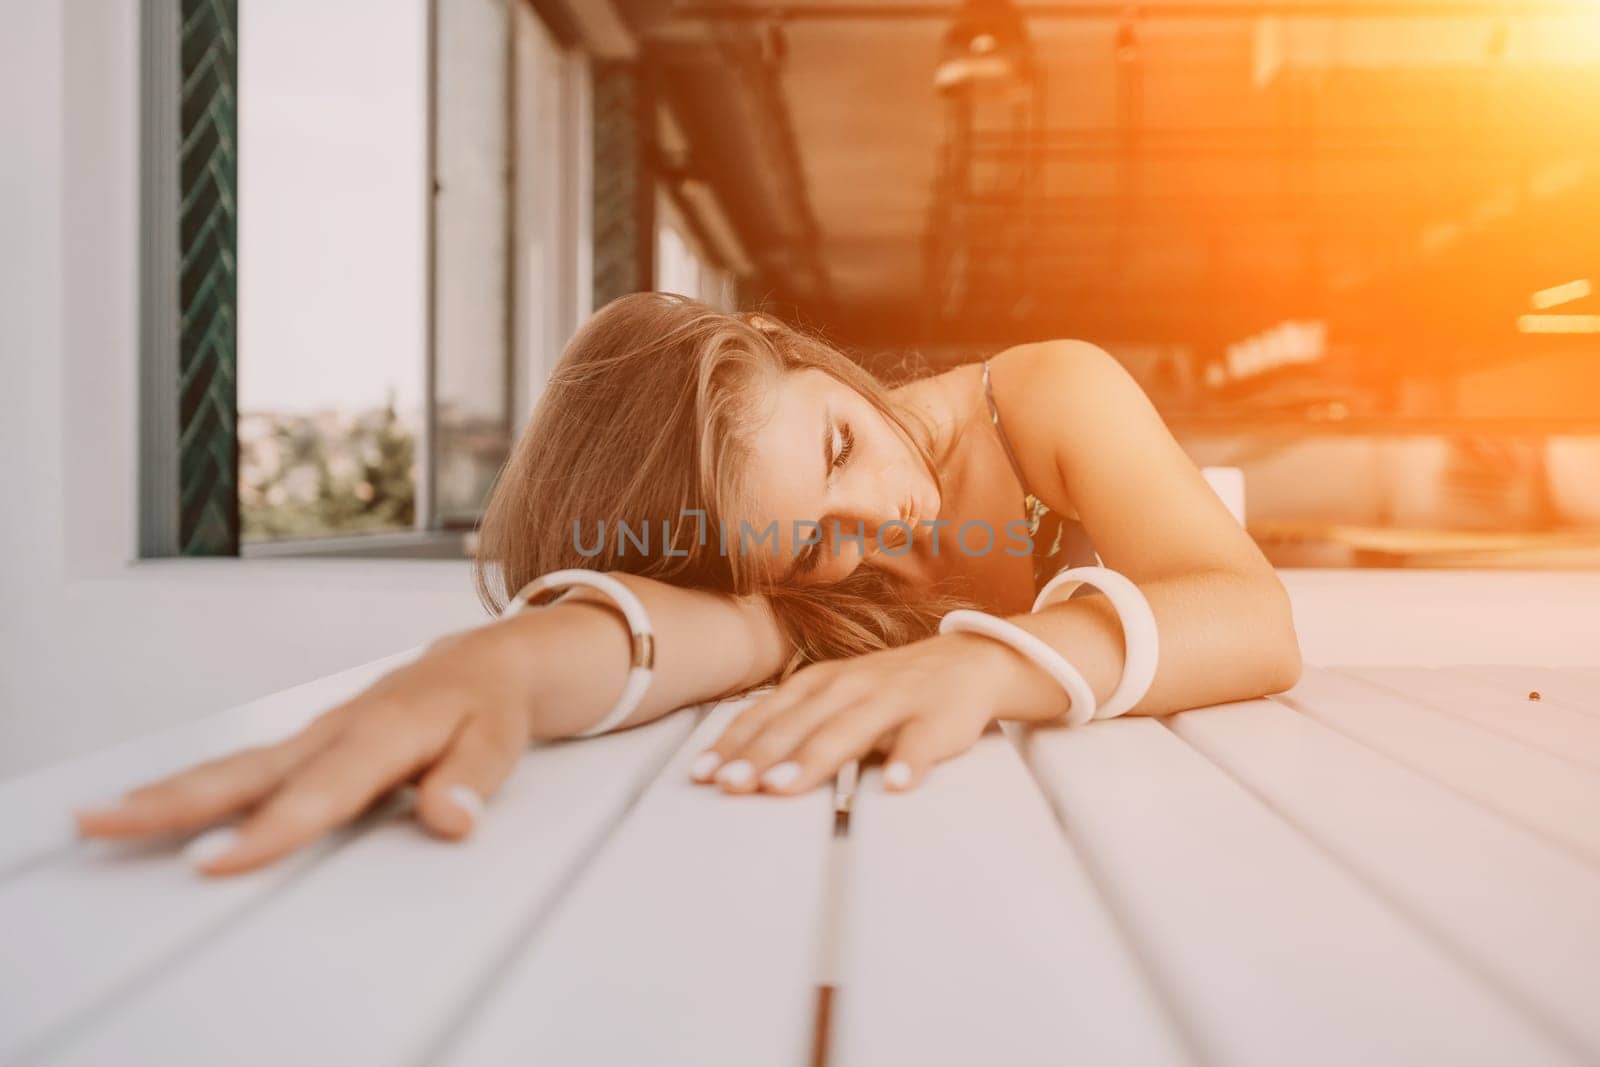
(642, 647)
(1139, 637)
(1053, 663)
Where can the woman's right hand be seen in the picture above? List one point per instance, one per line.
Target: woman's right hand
(455, 720)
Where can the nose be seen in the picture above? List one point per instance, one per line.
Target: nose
(872, 502)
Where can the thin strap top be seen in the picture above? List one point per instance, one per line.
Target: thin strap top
(1057, 542)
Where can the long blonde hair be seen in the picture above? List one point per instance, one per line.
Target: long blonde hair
(647, 416)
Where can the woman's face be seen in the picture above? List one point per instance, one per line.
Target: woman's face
(826, 455)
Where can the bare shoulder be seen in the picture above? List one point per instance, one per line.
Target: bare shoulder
(1046, 369)
(1026, 379)
(1060, 399)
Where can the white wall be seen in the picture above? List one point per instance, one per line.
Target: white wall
(91, 649)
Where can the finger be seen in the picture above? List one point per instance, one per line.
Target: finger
(924, 741)
(849, 734)
(328, 790)
(451, 796)
(200, 795)
(748, 722)
(777, 741)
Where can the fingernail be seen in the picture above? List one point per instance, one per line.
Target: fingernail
(781, 775)
(736, 773)
(897, 775)
(467, 799)
(704, 766)
(210, 846)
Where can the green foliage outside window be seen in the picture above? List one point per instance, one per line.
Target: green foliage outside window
(326, 474)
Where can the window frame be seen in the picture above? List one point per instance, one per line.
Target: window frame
(161, 481)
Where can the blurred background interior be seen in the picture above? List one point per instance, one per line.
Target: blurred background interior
(283, 278)
(1351, 248)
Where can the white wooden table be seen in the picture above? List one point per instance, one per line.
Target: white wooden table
(1386, 866)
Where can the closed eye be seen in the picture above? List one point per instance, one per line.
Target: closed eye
(847, 445)
(811, 558)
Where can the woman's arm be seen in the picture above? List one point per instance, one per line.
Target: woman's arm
(1086, 433)
(455, 720)
(1222, 638)
(708, 645)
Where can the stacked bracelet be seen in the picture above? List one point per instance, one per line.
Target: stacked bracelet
(1138, 634)
(1053, 663)
(642, 653)
(1139, 637)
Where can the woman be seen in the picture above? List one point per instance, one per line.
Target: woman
(682, 421)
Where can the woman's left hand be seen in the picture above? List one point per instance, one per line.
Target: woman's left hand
(924, 702)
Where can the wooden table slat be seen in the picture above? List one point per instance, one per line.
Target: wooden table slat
(972, 933)
(1270, 951)
(371, 956)
(1547, 725)
(1551, 796)
(692, 938)
(1454, 867)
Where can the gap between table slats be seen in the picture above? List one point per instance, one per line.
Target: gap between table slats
(1271, 952)
(846, 786)
(1550, 796)
(1521, 911)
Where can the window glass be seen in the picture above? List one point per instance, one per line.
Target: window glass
(332, 270)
